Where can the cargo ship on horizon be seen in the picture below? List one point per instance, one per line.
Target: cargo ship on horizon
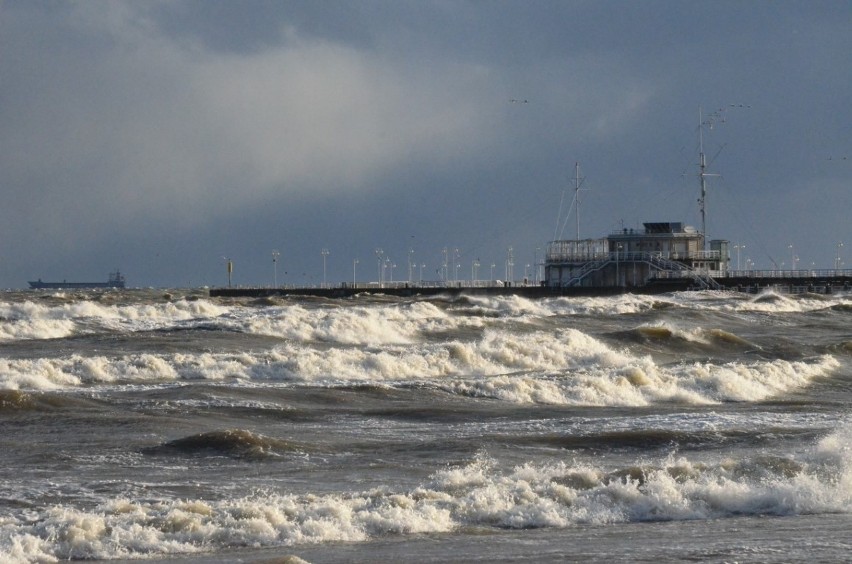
(115, 280)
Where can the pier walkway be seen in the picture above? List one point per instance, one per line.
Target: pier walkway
(749, 281)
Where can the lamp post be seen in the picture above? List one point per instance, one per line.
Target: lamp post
(738, 249)
(324, 254)
(379, 253)
(837, 256)
(410, 252)
(792, 256)
(229, 265)
(354, 263)
(617, 276)
(535, 264)
(444, 272)
(275, 255)
(456, 256)
(420, 279)
(492, 272)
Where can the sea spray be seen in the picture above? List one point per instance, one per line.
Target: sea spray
(138, 426)
(559, 494)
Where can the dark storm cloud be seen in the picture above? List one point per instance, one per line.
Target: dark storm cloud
(161, 136)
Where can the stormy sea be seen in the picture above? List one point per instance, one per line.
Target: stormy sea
(171, 426)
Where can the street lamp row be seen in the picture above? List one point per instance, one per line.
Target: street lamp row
(384, 263)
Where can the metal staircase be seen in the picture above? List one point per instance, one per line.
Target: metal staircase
(704, 280)
(587, 269)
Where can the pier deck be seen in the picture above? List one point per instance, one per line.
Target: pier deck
(748, 282)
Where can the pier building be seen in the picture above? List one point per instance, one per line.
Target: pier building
(633, 258)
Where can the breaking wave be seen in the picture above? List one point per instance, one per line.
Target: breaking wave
(672, 335)
(478, 494)
(773, 302)
(235, 443)
(558, 367)
(30, 320)
(371, 323)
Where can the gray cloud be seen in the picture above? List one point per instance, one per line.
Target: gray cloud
(174, 129)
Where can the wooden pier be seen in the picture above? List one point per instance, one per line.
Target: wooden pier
(753, 282)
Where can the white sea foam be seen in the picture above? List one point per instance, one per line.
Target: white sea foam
(496, 353)
(560, 367)
(642, 383)
(405, 323)
(29, 320)
(774, 302)
(508, 306)
(369, 324)
(353, 325)
(612, 305)
(516, 306)
(766, 302)
(479, 494)
(693, 334)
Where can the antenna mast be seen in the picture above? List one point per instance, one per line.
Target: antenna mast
(701, 176)
(575, 201)
(577, 181)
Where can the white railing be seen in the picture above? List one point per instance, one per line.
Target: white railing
(557, 256)
(755, 274)
(810, 273)
(436, 284)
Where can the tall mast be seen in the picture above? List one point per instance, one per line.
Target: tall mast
(575, 202)
(702, 179)
(702, 170)
(577, 195)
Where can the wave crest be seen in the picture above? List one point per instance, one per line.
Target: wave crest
(478, 494)
(235, 443)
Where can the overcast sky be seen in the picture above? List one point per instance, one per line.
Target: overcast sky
(160, 137)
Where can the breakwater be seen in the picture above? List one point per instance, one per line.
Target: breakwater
(348, 291)
(839, 281)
